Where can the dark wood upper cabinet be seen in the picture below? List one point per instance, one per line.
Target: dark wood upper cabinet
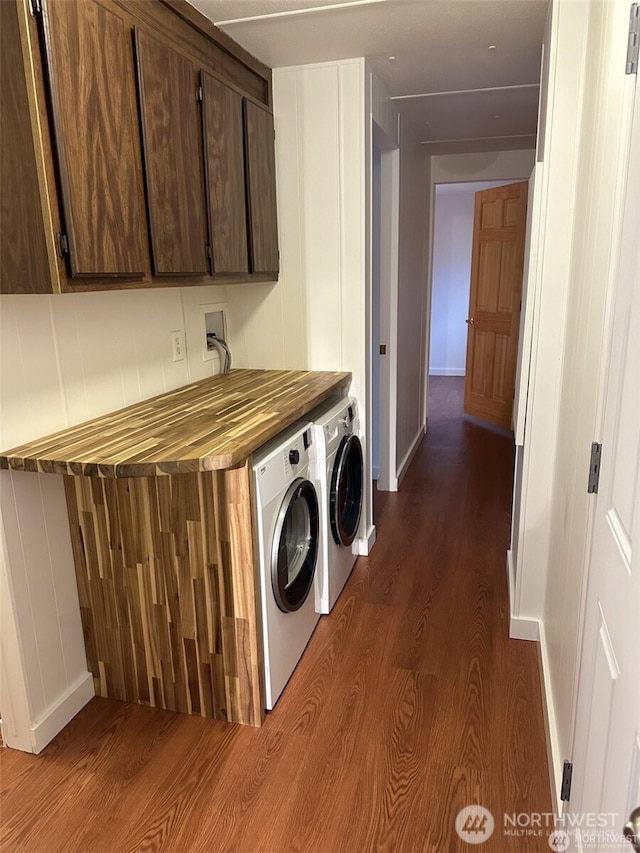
(224, 166)
(261, 185)
(24, 260)
(90, 74)
(172, 145)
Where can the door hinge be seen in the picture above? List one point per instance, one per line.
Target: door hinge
(62, 243)
(633, 48)
(565, 787)
(594, 468)
(35, 7)
(199, 94)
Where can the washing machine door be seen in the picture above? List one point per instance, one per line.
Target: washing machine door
(295, 546)
(345, 499)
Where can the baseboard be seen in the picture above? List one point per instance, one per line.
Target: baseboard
(554, 759)
(57, 717)
(446, 371)
(519, 628)
(375, 472)
(404, 466)
(362, 546)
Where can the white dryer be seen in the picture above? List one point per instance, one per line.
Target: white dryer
(337, 460)
(288, 529)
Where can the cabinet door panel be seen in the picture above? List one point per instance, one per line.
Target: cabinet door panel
(224, 162)
(172, 143)
(24, 262)
(90, 72)
(261, 181)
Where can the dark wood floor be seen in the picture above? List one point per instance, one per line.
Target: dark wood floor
(409, 704)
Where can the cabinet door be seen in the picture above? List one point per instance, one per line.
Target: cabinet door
(90, 72)
(224, 163)
(261, 183)
(172, 143)
(24, 261)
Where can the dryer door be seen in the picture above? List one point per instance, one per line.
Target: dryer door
(295, 546)
(345, 500)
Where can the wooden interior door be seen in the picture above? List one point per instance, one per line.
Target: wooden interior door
(224, 166)
(497, 260)
(172, 142)
(91, 81)
(261, 185)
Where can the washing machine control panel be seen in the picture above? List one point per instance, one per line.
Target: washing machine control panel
(294, 457)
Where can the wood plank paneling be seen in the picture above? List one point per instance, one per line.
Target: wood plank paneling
(166, 574)
(24, 260)
(170, 119)
(209, 425)
(225, 56)
(261, 183)
(224, 167)
(90, 75)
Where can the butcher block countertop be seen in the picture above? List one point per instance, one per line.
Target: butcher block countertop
(210, 425)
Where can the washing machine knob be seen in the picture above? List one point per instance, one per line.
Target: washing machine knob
(294, 457)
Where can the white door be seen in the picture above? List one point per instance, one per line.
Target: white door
(606, 757)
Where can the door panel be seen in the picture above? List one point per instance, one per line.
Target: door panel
(494, 303)
(606, 757)
(90, 72)
(226, 187)
(172, 141)
(261, 181)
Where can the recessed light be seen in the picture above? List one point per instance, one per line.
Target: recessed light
(391, 58)
(492, 47)
(496, 116)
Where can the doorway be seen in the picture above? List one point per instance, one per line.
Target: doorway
(450, 280)
(385, 200)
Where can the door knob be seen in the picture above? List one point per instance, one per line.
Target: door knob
(471, 321)
(631, 829)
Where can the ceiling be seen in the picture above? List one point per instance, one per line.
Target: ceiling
(464, 72)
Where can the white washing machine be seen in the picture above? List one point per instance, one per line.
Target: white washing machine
(288, 529)
(337, 461)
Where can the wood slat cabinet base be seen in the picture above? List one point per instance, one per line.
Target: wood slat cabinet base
(167, 579)
(76, 96)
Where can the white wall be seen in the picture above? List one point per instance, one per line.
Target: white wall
(580, 244)
(321, 159)
(413, 294)
(452, 237)
(487, 166)
(66, 359)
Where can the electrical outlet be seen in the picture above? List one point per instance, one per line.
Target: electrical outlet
(178, 345)
(213, 321)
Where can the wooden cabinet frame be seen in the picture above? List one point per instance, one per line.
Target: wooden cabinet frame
(38, 215)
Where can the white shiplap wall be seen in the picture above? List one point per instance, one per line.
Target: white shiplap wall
(65, 359)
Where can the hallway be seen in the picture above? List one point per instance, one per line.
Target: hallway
(409, 704)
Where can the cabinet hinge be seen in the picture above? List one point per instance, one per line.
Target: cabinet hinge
(633, 48)
(35, 7)
(565, 787)
(199, 94)
(62, 243)
(594, 468)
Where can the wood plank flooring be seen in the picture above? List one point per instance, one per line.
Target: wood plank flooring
(409, 704)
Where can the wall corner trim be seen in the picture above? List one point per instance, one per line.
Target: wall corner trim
(411, 452)
(363, 545)
(62, 712)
